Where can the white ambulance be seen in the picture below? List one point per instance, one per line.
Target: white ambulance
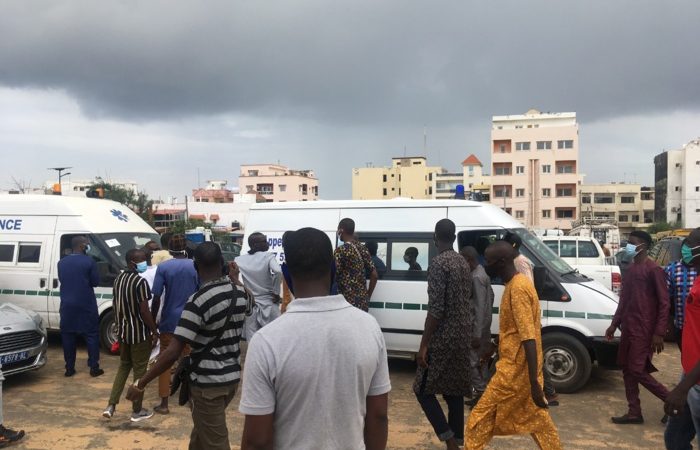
(575, 309)
(36, 232)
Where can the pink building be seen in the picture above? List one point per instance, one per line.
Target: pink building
(279, 183)
(535, 170)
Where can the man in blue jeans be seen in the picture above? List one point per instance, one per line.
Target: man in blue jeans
(685, 398)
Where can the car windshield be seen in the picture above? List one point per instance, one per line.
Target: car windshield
(117, 244)
(535, 245)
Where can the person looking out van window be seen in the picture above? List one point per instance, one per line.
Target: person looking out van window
(352, 261)
(410, 256)
(79, 277)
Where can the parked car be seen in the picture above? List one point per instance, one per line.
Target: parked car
(23, 340)
(586, 255)
(667, 250)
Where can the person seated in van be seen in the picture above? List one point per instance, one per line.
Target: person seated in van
(79, 276)
(443, 355)
(352, 260)
(410, 256)
(482, 305)
(372, 248)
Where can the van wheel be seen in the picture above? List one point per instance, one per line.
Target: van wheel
(567, 361)
(108, 331)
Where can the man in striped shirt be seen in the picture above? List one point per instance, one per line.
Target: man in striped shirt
(135, 327)
(213, 381)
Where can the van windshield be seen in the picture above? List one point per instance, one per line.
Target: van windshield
(535, 245)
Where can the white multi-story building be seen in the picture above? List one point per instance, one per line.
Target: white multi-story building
(535, 169)
(677, 186)
(278, 183)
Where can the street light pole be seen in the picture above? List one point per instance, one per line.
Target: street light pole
(60, 176)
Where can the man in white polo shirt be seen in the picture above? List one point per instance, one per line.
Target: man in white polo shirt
(317, 377)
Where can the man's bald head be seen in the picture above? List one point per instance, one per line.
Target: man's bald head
(499, 260)
(78, 243)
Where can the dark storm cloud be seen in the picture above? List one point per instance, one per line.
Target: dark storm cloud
(401, 62)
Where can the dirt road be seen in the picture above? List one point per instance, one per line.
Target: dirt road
(60, 413)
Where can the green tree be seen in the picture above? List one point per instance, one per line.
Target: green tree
(138, 202)
(181, 226)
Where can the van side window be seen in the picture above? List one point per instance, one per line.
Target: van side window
(479, 239)
(567, 249)
(7, 253)
(554, 245)
(29, 253)
(409, 256)
(378, 252)
(587, 249)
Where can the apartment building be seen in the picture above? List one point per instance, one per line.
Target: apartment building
(472, 178)
(215, 192)
(629, 206)
(677, 185)
(278, 183)
(409, 177)
(535, 167)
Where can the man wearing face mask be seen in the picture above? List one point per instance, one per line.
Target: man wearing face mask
(136, 330)
(684, 400)
(642, 316)
(78, 275)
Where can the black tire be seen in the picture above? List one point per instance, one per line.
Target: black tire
(108, 331)
(567, 360)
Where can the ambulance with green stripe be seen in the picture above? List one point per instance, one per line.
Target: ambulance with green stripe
(36, 232)
(576, 310)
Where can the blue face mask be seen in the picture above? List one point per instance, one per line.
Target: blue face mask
(142, 267)
(687, 253)
(631, 249)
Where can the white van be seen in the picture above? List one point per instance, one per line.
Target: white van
(576, 310)
(36, 232)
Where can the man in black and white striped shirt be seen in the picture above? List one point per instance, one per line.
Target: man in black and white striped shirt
(135, 327)
(214, 380)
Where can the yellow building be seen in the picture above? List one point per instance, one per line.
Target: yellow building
(408, 177)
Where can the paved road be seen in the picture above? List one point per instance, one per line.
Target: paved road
(62, 413)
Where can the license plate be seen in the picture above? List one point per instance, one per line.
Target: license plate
(14, 357)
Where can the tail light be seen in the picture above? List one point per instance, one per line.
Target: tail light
(616, 282)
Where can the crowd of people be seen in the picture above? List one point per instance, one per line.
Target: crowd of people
(316, 372)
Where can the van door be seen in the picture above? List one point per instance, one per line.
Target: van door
(26, 265)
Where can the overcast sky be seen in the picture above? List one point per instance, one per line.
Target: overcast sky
(154, 90)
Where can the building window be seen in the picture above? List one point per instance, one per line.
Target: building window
(517, 127)
(502, 148)
(471, 171)
(249, 187)
(622, 218)
(565, 213)
(565, 168)
(384, 178)
(565, 192)
(430, 176)
(501, 191)
(678, 188)
(626, 199)
(252, 173)
(519, 214)
(544, 145)
(697, 188)
(501, 170)
(546, 213)
(384, 191)
(635, 218)
(603, 198)
(546, 192)
(520, 170)
(265, 189)
(520, 192)
(546, 168)
(647, 196)
(585, 199)
(522, 146)
(283, 188)
(565, 144)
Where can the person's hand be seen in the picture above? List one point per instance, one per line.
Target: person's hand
(233, 270)
(675, 401)
(476, 343)
(657, 343)
(422, 357)
(538, 395)
(488, 352)
(134, 393)
(610, 332)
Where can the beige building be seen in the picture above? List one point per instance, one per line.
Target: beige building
(630, 206)
(408, 177)
(278, 183)
(472, 178)
(535, 168)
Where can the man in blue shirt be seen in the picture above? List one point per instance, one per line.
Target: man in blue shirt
(78, 275)
(178, 278)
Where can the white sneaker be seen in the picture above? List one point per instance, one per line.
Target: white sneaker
(108, 412)
(141, 415)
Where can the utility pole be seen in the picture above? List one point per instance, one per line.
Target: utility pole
(60, 176)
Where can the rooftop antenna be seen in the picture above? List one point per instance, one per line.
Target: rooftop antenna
(404, 151)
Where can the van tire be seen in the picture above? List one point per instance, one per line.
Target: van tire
(567, 360)
(108, 335)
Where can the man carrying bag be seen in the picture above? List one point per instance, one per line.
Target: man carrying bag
(211, 323)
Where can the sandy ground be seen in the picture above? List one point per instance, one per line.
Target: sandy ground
(60, 413)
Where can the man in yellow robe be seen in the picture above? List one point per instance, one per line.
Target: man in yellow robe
(514, 402)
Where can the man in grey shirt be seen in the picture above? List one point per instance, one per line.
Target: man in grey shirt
(262, 275)
(317, 377)
(482, 305)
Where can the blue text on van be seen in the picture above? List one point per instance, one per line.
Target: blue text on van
(11, 224)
